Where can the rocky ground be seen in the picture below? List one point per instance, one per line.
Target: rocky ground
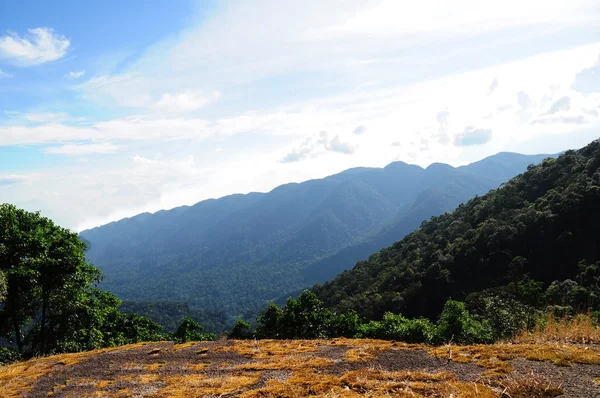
(298, 368)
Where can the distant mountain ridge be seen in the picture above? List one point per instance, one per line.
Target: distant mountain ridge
(237, 252)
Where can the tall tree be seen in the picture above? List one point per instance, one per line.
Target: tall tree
(49, 281)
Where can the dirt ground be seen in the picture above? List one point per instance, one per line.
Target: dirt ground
(297, 368)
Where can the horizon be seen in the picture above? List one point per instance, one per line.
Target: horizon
(107, 115)
(312, 179)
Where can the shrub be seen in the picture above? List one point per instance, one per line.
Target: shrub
(8, 355)
(241, 330)
(346, 324)
(190, 330)
(457, 325)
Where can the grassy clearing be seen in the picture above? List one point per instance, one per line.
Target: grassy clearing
(295, 368)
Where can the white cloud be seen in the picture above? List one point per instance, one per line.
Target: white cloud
(360, 129)
(493, 86)
(473, 136)
(325, 68)
(75, 74)
(40, 117)
(4, 75)
(83, 149)
(312, 147)
(562, 104)
(185, 102)
(41, 46)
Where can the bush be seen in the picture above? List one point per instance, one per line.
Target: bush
(343, 325)
(269, 322)
(190, 330)
(8, 355)
(457, 325)
(397, 327)
(240, 330)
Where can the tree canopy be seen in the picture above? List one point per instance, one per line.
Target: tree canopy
(51, 303)
(532, 243)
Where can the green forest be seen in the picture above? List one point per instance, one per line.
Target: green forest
(229, 257)
(527, 246)
(493, 267)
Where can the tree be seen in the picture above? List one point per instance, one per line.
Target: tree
(51, 290)
(241, 330)
(269, 322)
(190, 330)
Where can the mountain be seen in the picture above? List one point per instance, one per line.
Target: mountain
(235, 253)
(536, 240)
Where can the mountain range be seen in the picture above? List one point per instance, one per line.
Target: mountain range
(234, 254)
(530, 244)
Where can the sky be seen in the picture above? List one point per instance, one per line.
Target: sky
(112, 108)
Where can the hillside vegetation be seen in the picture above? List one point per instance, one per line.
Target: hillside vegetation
(232, 255)
(528, 245)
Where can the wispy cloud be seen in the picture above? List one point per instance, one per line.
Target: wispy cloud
(316, 146)
(185, 101)
(5, 75)
(40, 46)
(83, 149)
(562, 104)
(74, 75)
(473, 136)
(11, 180)
(360, 130)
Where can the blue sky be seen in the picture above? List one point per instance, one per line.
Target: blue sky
(111, 108)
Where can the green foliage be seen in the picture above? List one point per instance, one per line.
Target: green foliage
(397, 327)
(347, 324)
(51, 302)
(190, 330)
(241, 330)
(456, 325)
(269, 322)
(8, 355)
(170, 313)
(526, 245)
(304, 317)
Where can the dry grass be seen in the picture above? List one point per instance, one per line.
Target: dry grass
(302, 372)
(580, 329)
(18, 377)
(371, 383)
(495, 357)
(529, 386)
(200, 385)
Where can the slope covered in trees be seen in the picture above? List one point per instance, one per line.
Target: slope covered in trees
(234, 254)
(532, 243)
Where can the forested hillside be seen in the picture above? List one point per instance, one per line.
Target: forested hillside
(234, 254)
(533, 243)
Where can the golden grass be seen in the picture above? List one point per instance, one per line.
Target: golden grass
(495, 357)
(360, 355)
(197, 367)
(288, 362)
(259, 349)
(580, 329)
(17, 378)
(372, 383)
(200, 385)
(305, 373)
